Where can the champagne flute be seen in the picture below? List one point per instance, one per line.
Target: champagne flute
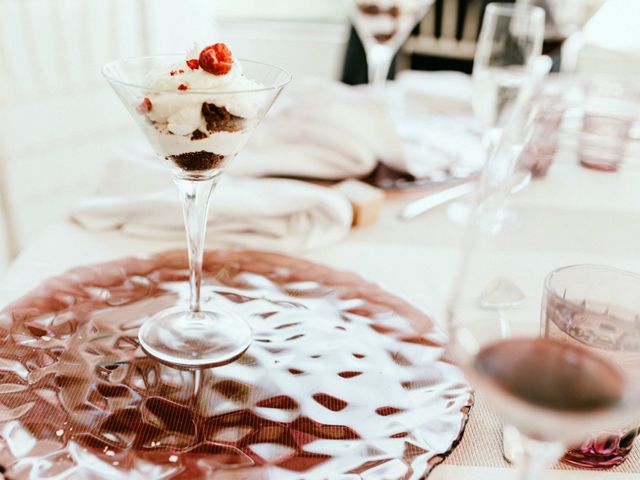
(510, 41)
(554, 393)
(507, 67)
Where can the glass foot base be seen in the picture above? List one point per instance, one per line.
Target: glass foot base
(599, 462)
(607, 450)
(459, 212)
(491, 221)
(194, 340)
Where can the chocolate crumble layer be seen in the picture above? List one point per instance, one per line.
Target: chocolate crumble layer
(369, 9)
(372, 9)
(220, 120)
(198, 135)
(197, 161)
(384, 37)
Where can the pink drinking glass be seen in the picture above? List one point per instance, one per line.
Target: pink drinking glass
(597, 308)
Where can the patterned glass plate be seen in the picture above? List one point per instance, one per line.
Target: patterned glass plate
(336, 385)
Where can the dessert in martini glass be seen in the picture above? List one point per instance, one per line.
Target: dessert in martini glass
(198, 111)
(383, 26)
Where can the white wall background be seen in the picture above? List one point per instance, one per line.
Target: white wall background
(176, 24)
(307, 37)
(305, 10)
(611, 40)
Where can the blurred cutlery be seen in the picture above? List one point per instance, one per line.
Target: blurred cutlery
(433, 200)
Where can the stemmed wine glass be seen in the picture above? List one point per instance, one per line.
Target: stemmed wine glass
(555, 393)
(564, 18)
(196, 130)
(383, 26)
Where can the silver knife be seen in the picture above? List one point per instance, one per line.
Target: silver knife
(423, 205)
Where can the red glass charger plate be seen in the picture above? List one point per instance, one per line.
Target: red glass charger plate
(336, 385)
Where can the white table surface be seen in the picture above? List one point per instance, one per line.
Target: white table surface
(413, 259)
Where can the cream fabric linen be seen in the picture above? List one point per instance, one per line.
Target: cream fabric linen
(138, 199)
(326, 130)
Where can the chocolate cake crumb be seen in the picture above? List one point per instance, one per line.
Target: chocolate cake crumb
(220, 120)
(384, 37)
(198, 135)
(371, 9)
(197, 161)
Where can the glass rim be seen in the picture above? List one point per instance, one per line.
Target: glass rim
(105, 73)
(593, 266)
(505, 8)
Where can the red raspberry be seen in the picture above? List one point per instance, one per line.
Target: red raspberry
(216, 59)
(145, 106)
(175, 72)
(182, 87)
(193, 64)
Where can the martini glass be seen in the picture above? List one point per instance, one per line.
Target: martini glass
(383, 26)
(190, 336)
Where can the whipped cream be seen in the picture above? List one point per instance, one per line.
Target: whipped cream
(220, 143)
(181, 111)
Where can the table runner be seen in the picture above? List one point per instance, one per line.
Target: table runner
(482, 444)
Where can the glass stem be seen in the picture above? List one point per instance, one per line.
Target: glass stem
(379, 58)
(490, 139)
(195, 207)
(198, 378)
(536, 457)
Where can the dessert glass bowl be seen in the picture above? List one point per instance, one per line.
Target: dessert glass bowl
(197, 335)
(383, 26)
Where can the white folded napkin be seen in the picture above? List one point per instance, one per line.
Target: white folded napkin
(433, 118)
(137, 198)
(321, 129)
(441, 92)
(327, 130)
